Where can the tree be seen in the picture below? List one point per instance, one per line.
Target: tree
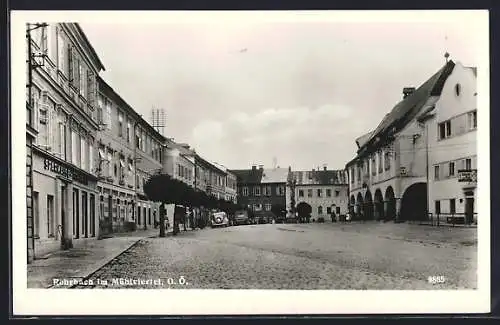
(304, 210)
(167, 190)
(278, 210)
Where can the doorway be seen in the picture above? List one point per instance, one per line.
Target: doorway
(469, 210)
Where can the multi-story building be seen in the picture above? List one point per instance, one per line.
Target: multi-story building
(63, 112)
(230, 192)
(179, 162)
(326, 191)
(210, 178)
(115, 163)
(148, 159)
(450, 126)
(388, 176)
(259, 189)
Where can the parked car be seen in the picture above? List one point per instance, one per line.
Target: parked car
(219, 219)
(241, 218)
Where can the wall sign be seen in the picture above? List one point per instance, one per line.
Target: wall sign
(65, 171)
(467, 175)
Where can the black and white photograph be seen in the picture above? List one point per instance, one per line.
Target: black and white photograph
(250, 162)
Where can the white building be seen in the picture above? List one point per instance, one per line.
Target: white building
(451, 124)
(326, 191)
(388, 178)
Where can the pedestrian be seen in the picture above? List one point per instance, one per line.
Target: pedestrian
(348, 217)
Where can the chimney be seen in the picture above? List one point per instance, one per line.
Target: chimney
(407, 91)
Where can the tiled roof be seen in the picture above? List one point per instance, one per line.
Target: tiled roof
(247, 176)
(320, 177)
(409, 107)
(274, 175)
(362, 139)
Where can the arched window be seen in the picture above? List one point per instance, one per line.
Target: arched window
(320, 210)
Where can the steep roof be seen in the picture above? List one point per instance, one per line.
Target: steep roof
(320, 177)
(409, 107)
(274, 175)
(248, 176)
(362, 139)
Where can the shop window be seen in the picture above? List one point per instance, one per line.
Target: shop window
(452, 206)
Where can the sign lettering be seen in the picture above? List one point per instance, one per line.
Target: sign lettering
(65, 171)
(469, 175)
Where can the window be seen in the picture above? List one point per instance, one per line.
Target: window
(320, 210)
(110, 164)
(257, 191)
(451, 168)
(61, 57)
(452, 206)
(337, 193)
(328, 192)
(120, 124)
(82, 75)
(108, 114)
(128, 132)
(91, 158)
(437, 207)
(352, 175)
(100, 116)
(268, 190)
(62, 140)
(74, 148)
(472, 120)
(115, 167)
(374, 166)
(457, 89)
(436, 172)
(83, 154)
(50, 215)
(309, 193)
(268, 207)
(319, 191)
(301, 193)
(328, 210)
(380, 163)
(387, 161)
(281, 190)
(468, 165)
(444, 129)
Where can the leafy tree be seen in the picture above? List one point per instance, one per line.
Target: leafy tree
(278, 210)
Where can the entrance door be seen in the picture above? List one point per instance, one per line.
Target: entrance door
(63, 213)
(76, 214)
(469, 209)
(92, 215)
(85, 217)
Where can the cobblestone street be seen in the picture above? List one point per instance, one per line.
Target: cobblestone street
(300, 256)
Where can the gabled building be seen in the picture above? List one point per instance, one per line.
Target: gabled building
(326, 191)
(62, 111)
(388, 177)
(259, 189)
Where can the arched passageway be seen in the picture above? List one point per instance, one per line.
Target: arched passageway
(379, 205)
(414, 203)
(390, 202)
(359, 206)
(368, 206)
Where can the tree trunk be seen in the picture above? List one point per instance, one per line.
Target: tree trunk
(162, 220)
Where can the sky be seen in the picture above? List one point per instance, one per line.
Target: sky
(258, 92)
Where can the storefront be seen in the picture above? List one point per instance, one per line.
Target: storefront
(116, 208)
(146, 212)
(65, 204)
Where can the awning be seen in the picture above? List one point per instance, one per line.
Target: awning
(101, 154)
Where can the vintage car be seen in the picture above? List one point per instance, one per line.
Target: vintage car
(241, 218)
(219, 219)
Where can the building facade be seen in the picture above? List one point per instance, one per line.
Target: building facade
(451, 127)
(63, 96)
(230, 181)
(388, 178)
(259, 189)
(326, 191)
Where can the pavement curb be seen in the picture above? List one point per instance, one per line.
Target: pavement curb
(97, 266)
